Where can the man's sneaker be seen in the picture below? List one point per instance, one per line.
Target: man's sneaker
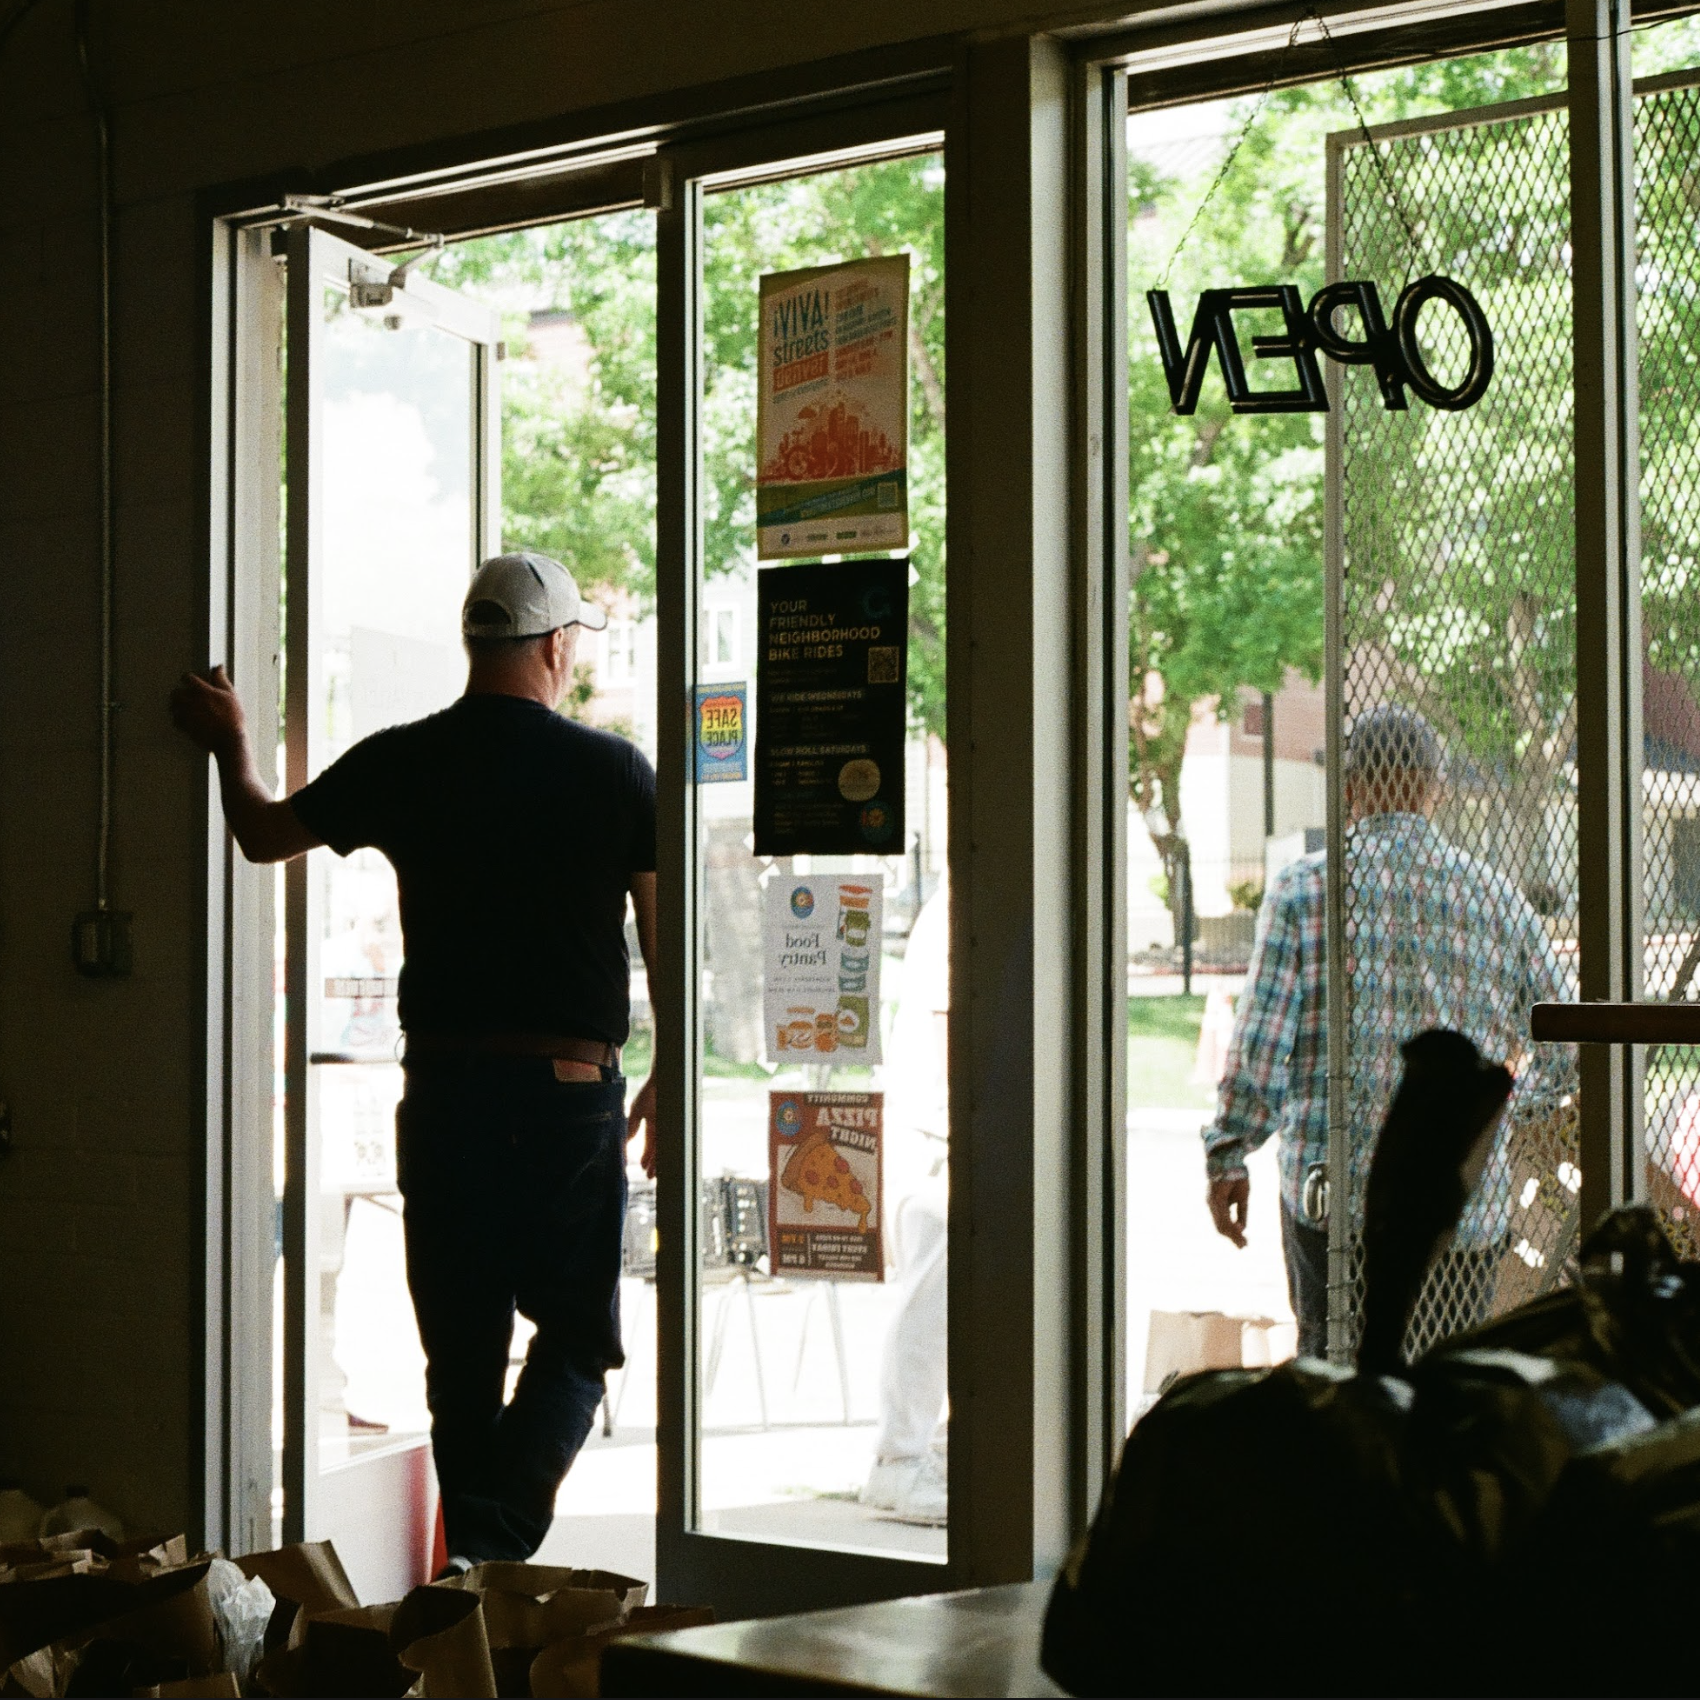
(456, 1566)
(912, 1490)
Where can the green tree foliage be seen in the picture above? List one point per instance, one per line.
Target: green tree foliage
(1459, 537)
(578, 450)
(886, 208)
(1226, 511)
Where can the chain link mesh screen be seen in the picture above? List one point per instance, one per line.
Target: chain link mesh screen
(1667, 151)
(1454, 571)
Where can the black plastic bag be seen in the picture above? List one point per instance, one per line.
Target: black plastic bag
(1213, 1564)
(1310, 1530)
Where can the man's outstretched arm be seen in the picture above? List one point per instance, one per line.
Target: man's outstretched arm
(208, 712)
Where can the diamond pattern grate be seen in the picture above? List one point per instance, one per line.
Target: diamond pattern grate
(1457, 601)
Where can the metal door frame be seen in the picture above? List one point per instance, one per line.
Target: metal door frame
(1023, 1351)
(245, 428)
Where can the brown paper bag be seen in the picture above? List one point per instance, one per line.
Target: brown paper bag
(80, 1562)
(136, 1560)
(530, 1605)
(572, 1668)
(440, 1633)
(88, 1551)
(309, 1573)
(39, 1612)
(39, 1675)
(179, 1626)
(165, 1632)
(337, 1653)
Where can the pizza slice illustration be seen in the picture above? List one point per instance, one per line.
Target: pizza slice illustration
(817, 1171)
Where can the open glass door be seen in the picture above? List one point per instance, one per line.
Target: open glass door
(392, 501)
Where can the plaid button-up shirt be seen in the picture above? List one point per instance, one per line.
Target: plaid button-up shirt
(1433, 939)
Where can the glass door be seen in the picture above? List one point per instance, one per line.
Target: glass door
(804, 1350)
(391, 502)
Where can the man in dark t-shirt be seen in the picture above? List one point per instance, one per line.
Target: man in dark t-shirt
(516, 837)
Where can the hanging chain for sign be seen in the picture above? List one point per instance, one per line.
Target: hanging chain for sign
(1233, 152)
(1389, 187)
(1389, 346)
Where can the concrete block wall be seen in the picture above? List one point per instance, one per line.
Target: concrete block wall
(102, 1199)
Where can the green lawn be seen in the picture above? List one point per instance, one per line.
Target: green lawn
(639, 1049)
(1162, 1043)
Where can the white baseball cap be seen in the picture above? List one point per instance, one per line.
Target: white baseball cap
(536, 593)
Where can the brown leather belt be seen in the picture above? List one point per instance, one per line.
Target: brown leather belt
(513, 1045)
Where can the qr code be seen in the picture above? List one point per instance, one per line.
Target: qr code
(883, 665)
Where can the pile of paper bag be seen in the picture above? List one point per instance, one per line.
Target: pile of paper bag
(81, 1615)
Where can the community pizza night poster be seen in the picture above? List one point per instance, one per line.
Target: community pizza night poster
(825, 1158)
(832, 410)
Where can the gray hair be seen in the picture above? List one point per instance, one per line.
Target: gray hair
(1392, 739)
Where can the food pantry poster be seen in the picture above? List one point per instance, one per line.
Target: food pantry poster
(831, 708)
(821, 968)
(824, 1172)
(832, 410)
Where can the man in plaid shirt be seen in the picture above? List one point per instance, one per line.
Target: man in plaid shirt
(1433, 939)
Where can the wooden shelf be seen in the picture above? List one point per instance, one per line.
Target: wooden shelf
(1617, 1023)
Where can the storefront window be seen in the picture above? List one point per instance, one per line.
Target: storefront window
(1456, 606)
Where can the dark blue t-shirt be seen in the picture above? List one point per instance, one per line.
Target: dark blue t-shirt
(514, 834)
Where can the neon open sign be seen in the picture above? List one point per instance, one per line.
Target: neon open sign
(1391, 349)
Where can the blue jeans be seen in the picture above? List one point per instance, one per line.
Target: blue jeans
(1459, 1294)
(515, 1191)
(1306, 1251)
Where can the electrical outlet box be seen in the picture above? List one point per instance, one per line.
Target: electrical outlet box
(100, 943)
